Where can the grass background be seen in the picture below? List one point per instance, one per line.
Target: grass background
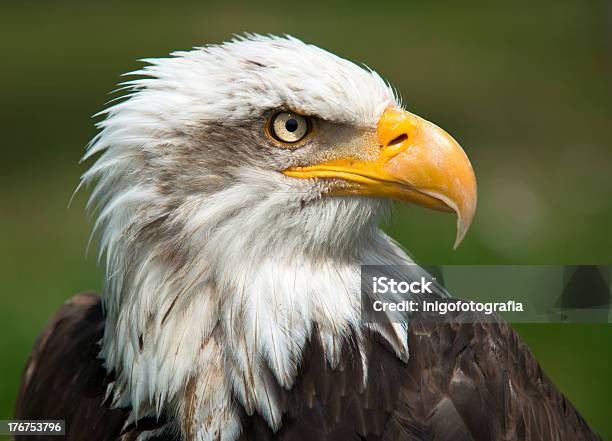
(524, 86)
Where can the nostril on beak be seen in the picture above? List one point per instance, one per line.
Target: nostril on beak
(398, 140)
(396, 129)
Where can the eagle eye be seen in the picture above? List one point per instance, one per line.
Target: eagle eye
(288, 127)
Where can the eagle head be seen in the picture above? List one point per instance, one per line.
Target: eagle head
(237, 189)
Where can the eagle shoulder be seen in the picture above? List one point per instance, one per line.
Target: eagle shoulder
(64, 380)
(470, 377)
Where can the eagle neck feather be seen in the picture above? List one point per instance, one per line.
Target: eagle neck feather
(194, 342)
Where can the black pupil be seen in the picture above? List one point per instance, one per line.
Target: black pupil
(291, 125)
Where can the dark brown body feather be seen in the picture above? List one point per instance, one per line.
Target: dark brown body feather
(464, 381)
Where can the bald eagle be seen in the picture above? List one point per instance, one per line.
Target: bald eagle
(238, 190)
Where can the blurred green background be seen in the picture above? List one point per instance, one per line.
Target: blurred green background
(525, 88)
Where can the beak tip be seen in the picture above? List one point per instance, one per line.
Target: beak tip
(464, 220)
(461, 232)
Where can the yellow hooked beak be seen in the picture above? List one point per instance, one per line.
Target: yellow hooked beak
(416, 162)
